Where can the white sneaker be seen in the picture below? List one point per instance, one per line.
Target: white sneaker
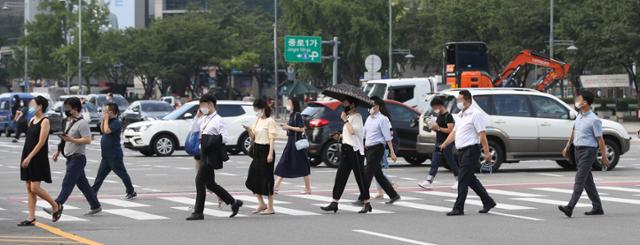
(426, 185)
(454, 186)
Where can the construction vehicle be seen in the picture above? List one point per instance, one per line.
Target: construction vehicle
(466, 65)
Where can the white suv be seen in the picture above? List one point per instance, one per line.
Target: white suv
(163, 137)
(525, 124)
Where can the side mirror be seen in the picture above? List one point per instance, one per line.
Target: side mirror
(573, 114)
(135, 109)
(187, 115)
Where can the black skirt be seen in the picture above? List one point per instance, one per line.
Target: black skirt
(260, 179)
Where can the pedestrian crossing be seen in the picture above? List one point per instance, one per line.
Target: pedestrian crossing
(524, 204)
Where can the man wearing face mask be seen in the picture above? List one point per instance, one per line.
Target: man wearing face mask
(586, 136)
(470, 138)
(74, 140)
(211, 159)
(443, 125)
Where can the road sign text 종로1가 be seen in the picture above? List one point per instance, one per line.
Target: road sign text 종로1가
(303, 49)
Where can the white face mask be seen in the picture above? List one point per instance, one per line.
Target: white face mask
(436, 111)
(204, 110)
(259, 113)
(460, 105)
(289, 108)
(578, 105)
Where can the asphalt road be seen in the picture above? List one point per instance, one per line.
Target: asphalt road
(527, 193)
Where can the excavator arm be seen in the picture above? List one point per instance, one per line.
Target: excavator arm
(514, 73)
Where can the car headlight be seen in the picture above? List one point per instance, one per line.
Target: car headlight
(149, 118)
(139, 128)
(144, 127)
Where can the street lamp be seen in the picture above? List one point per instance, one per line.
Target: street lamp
(25, 5)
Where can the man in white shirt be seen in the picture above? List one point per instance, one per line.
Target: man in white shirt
(469, 133)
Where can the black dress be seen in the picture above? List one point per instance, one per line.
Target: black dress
(38, 169)
(293, 163)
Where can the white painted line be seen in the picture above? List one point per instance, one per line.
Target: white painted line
(123, 203)
(287, 211)
(161, 166)
(615, 188)
(559, 190)
(406, 178)
(134, 214)
(516, 216)
(445, 194)
(320, 198)
(512, 193)
(551, 175)
(181, 168)
(43, 204)
(548, 201)
(400, 239)
(254, 199)
(405, 198)
(226, 174)
(499, 206)
(426, 207)
(620, 200)
(2, 209)
(210, 212)
(185, 200)
(64, 218)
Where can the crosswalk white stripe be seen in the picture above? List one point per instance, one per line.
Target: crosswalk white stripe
(559, 190)
(211, 212)
(319, 198)
(498, 206)
(105, 181)
(122, 203)
(445, 194)
(288, 211)
(255, 199)
(185, 200)
(2, 209)
(64, 218)
(43, 204)
(347, 206)
(406, 198)
(515, 216)
(512, 193)
(134, 214)
(615, 188)
(620, 200)
(351, 208)
(401, 239)
(422, 206)
(548, 201)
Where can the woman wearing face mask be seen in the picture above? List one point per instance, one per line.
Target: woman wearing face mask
(294, 163)
(260, 178)
(35, 161)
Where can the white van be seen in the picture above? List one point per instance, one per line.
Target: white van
(410, 91)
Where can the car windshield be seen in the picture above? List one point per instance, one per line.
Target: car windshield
(375, 89)
(101, 100)
(156, 107)
(177, 113)
(449, 104)
(90, 107)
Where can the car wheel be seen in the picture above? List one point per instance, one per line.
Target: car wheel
(497, 155)
(566, 164)
(314, 161)
(147, 153)
(244, 143)
(416, 159)
(331, 154)
(613, 153)
(163, 145)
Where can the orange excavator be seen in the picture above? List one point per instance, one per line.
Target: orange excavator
(466, 66)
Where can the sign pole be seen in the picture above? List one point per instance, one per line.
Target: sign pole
(275, 57)
(334, 78)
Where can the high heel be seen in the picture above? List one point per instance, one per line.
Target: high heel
(333, 206)
(366, 209)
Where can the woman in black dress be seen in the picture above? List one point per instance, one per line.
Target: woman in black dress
(35, 159)
(260, 178)
(294, 163)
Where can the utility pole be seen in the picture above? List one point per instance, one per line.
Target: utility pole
(390, 41)
(551, 29)
(334, 78)
(80, 90)
(26, 48)
(275, 57)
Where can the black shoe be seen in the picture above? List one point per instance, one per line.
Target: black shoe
(27, 223)
(486, 209)
(394, 199)
(57, 215)
(366, 209)
(333, 206)
(131, 196)
(455, 212)
(566, 210)
(358, 202)
(598, 211)
(195, 216)
(235, 207)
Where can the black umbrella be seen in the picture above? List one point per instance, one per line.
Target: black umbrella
(342, 91)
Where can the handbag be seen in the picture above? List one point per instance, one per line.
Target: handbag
(303, 142)
(252, 148)
(192, 145)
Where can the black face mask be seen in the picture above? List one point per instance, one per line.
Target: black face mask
(67, 113)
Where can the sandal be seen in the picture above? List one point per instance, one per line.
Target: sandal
(27, 223)
(264, 212)
(259, 210)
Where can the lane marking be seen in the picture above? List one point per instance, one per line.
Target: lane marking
(422, 206)
(43, 204)
(134, 214)
(254, 199)
(25, 241)
(64, 218)
(226, 174)
(511, 193)
(185, 200)
(123, 203)
(66, 235)
(551, 175)
(620, 200)
(397, 238)
(499, 206)
(445, 194)
(347, 205)
(288, 211)
(615, 188)
(355, 209)
(548, 201)
(210, 212)
(516, 216)
(559, 190)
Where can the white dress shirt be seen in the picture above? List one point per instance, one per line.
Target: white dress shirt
(213, 125)
(355, 140)
(469, 124)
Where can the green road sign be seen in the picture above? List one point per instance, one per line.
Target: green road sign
(303, 49)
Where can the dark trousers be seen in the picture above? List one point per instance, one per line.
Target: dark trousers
(75, 177)
(349, 160)
(374, 169)
(585, 157)
(21, 127)
(115, 164)
(437, 156)
(206, 179)
(469, 160)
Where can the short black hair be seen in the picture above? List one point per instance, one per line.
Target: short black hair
(208, 98)
(113, 107)
(437, 101)
(587, 96)
(466, 95)
(42, 101)
(74, 103)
